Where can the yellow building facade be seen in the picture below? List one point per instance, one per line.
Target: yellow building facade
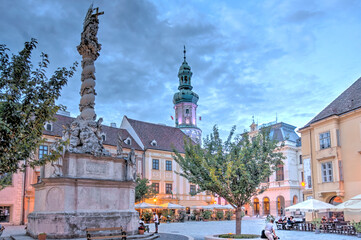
(331, 149)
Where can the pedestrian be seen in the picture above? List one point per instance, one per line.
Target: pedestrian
(269, 230)
(156, 221)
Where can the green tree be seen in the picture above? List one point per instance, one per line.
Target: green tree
(27, 101)
(234, 169)
(143, 189)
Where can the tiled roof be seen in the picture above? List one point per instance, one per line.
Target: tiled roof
(110, 132)
(166, 137)
(283, 131)
(349, 100)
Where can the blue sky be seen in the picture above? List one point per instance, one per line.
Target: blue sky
(248, 57)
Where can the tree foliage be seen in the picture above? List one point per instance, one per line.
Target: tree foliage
(143, 189)
(27, 101)
(233, 169)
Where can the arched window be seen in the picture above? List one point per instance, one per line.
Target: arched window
(280, 206)
(266, 206)
(256, 206)
(295, 199)
(335, 200)
(279, 173)
(185, 79)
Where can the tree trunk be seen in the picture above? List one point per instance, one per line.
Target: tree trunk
(238, 220)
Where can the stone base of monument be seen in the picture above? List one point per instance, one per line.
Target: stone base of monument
(87, 192)
(73, 224)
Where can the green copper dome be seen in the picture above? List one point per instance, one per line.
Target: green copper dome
(185, 93)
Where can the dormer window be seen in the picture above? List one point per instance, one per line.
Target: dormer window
(128, 141)
(48, 126)
(153, 143)
(104, 137)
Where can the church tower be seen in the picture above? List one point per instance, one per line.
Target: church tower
(185, 103)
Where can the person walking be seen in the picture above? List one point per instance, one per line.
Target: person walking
(156, 221)
(269, 231)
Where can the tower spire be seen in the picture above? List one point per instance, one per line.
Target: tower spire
(184, 51)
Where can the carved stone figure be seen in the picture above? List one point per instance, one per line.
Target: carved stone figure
(58, 164)
(131, 166)
(85, 133)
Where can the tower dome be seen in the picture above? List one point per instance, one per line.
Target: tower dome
(185, 103)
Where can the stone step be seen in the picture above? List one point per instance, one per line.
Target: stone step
(146, 236)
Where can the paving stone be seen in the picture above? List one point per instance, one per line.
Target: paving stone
(198, 230)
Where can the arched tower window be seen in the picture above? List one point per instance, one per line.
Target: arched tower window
(185, 79)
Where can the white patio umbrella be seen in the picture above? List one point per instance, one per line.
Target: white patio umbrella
(144, 205)
(197, 207)
(228, 207)
(215, 206)
(172, 206)
(352, 205)
(311, 205)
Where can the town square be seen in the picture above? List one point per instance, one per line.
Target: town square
(144, 119)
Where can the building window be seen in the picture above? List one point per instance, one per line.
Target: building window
(300, 159)
(104, 137)
(279, 173)
(335, 200)
(266, 206)
(266, 179)
(309, 182)
(168, 165)
(128, 141)
(48, 127)
(43, 150)
(193, 190)
(4, 214)
(325, 141)
(168, 188)
(155, 187)
(302, 177)
(187, 111)
(154, 143)
(156, 164)
(326, 169)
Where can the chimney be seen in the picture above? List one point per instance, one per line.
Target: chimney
(114, 125)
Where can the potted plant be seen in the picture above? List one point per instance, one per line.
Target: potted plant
(196, 214)
(357, 227)
(206, 215)
(317, 224)
(229, 215)
(219, 215)
(147, 216)
(42, 236)
(141, 230)
(182, 215)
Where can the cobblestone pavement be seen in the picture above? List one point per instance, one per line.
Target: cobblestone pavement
(249, 225)
(200, 229)
(168, 236)
(13, 230)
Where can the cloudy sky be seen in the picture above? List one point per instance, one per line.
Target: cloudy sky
(261, 58)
